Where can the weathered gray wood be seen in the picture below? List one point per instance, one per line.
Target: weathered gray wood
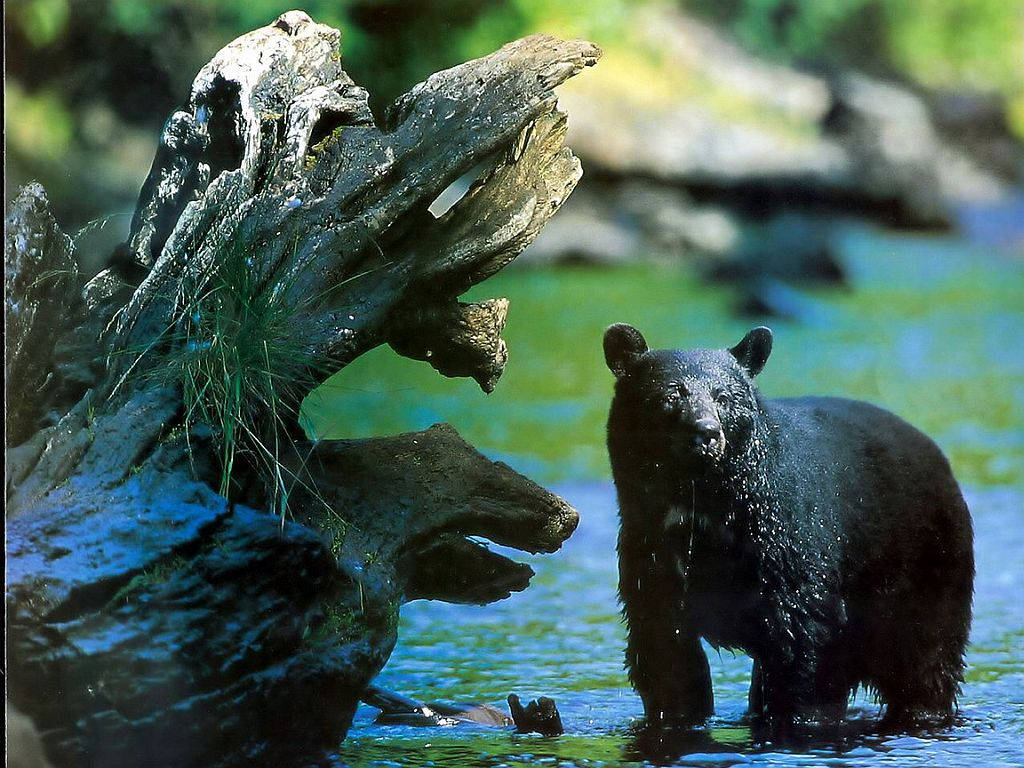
(150, 623)
(345, 231)
(40, 273)
(456, 339)
(439, 493)
(154, 621)
(53, 323)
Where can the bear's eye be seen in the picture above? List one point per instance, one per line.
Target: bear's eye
(722, 398)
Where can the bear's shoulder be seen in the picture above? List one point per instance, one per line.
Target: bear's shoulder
(849, 419)
(841, 443)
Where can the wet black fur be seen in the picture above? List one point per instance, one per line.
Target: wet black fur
(826, 538)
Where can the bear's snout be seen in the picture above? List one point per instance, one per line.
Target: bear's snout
(707, 433)
(708, 439)
(697, 437)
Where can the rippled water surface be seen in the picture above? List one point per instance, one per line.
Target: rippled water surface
(562, 638)
(932, 329)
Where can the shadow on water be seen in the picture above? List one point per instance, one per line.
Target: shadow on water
(728, 744)
(931, 331)
(725, 744)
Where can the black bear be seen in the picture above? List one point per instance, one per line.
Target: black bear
(826, 538)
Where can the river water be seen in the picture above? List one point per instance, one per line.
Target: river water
(932, 328)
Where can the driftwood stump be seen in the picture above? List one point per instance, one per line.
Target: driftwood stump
(192, 580)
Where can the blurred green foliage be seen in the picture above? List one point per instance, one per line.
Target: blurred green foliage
(923, 335)
(40, 20)
(391, 44)
(939, 43)
(82, 75)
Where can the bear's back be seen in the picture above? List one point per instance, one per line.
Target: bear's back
(851, 439)
(886, 485)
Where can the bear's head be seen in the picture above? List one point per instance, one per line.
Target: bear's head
(691, 406)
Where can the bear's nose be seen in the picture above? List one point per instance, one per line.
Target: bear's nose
(707, 431)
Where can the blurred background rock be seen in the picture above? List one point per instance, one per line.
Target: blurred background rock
(705, 121)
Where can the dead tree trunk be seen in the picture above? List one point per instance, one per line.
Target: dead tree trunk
(192, 580)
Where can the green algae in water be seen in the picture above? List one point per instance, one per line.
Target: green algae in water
(928, 331)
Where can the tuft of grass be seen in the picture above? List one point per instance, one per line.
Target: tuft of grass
(243, 367)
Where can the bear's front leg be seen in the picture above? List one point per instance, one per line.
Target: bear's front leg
(666, 662)
(674, 682)
(755, 697)
(795, 689)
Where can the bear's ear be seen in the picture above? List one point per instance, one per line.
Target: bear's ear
(623, 344)
(752, 353)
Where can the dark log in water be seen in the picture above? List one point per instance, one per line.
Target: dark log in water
(539, 716)
(157, 613)
(396, 709)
